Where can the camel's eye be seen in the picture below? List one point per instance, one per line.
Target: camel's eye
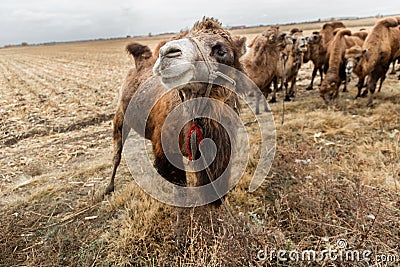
(222, 54)
(219, 50)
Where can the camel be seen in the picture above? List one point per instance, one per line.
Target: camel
(317, 49)
(336, 73)
(261, 62)
(327, 33)
(206, 42)
(316, 54)
(352, 56)
(290, 63)
(374, 57)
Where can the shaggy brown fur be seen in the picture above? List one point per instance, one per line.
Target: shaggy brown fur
(208, 32)
(336, 73)
(378, 51)
(261, 63)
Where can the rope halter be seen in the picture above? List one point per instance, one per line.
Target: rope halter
(195, 133)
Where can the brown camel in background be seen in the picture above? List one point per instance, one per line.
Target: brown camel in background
(336, 73)
(374, 57)
(261, 62)
(290, 62)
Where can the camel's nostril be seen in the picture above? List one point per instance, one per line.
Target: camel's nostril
(172, 51)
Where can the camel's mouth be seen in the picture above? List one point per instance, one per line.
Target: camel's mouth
(328, 97)
(303, 49)
(349, 72)
(174, 65)
(175, 71)
(176, 76)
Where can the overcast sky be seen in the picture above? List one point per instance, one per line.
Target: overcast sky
(61, 20)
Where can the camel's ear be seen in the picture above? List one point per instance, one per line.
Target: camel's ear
(239, 42)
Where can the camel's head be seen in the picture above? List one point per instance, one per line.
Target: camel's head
(196, 55)
(270, 39)
(329, 88)
(314, 38)
(353, 56)
(299, 40)
(274, 37)
(313, 41)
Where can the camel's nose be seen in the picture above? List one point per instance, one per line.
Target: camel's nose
(349, 70)
(171, 50)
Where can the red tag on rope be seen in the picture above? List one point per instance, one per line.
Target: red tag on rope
(199, 137)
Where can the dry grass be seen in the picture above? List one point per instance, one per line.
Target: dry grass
(336, 175)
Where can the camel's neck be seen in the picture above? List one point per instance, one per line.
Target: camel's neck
(336, 55)
(365, 66)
